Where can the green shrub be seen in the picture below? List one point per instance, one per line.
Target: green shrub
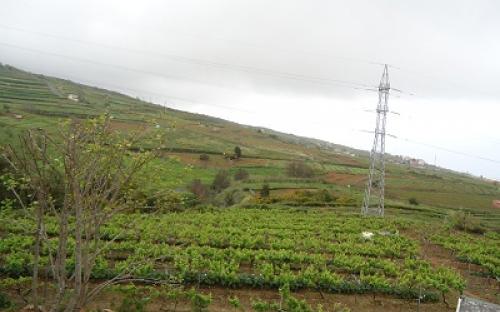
(465, 221)
(200, 190)
(221, 181)
(413, 201)
(133, 303)
(261, 305)
(324, 196)
(170, 200)
(241, 174)
(346, 200)
(237, 152)
(4, 301)
(265, 191)
(299, 169)
(199, 302)
(235, 302)
(135, 298)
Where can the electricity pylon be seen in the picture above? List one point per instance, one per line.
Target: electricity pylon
(373, 203)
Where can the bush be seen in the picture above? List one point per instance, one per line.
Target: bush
(200, 190)
(229, 198)
(465, 221)
(204, 157)
(235, 302)
(135, 299)
(170, 200)
(324, 196)
(413, 201)
(221, 181)
(199, 302)
(133, 304)
(237, 152)
(299, 170)
(241, 174)
(265, 191)
(4, 301)
(346, 200)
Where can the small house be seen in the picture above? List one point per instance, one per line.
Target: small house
(73, 97)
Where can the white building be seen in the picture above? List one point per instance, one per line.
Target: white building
(73, 97)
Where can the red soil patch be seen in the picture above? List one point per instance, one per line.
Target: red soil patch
(345, 179)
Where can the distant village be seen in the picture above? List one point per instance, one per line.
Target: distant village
(411, 162)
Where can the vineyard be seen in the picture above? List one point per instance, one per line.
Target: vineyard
(257, 248)
(483, 251)
(272, 227)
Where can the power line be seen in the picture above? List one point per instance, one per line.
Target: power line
(436, 147)
(448, 150)
(339, 83)
(97, 63)
(232, 41)
(219, 65)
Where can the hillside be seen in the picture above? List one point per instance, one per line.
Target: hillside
(239, 247)
(31, 101)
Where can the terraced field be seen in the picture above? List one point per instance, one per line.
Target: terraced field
(305, 234)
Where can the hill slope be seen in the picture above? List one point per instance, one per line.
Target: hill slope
(31, 101)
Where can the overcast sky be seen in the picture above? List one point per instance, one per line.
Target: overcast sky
(295, 66)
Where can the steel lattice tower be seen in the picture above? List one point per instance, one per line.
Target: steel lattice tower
(374, 193)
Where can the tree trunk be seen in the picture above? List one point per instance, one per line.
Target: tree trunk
(62, 249)
(36, 260)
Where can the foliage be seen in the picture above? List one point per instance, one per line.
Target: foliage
(287, 303)
(4, 301)
(221, 181)
(299, 169)
(413, 201)
(81, 176)
(241, 174)
(308, 197)
(303, 250)
(199, 301)
(480, 250)
(172, 201)
(265, 191)
(237, 152)
(200, 190)
(346, 200)
(465, 221)
(261, 306)
(234, 302)
(135, 299)
(204, 157)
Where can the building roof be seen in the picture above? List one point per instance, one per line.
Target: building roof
(467, 304)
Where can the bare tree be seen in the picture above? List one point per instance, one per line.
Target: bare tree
(82, 173)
